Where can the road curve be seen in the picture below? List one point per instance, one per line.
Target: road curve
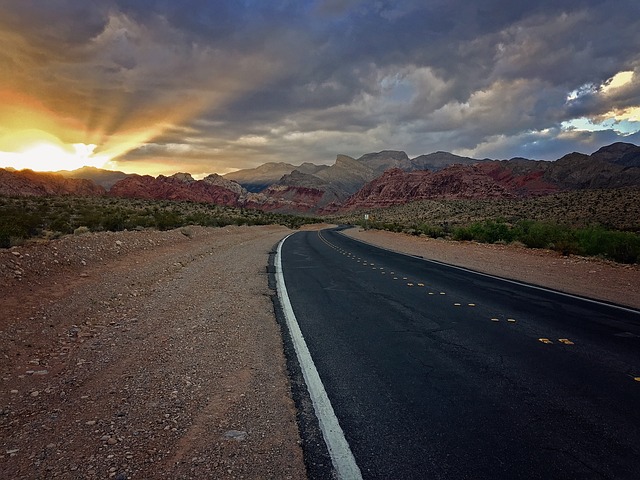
(435, 372)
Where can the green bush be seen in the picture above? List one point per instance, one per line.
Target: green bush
(622, 247)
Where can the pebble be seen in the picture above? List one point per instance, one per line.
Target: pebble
(236, 435)
(35, 393)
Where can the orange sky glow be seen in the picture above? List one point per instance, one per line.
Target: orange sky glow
(156, 87)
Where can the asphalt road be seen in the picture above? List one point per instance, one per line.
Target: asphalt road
(435, 372)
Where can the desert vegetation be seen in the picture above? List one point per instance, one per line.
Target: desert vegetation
(589, 222)
(50, 217)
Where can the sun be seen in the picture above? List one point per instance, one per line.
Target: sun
(48, 154)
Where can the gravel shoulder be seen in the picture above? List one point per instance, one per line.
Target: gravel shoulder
(145, 355)
(589, 277)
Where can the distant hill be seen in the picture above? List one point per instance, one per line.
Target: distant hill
(374, 180)
(180, 186)
(104, 178)
(610, 167)
(27, 183)
(259, 178)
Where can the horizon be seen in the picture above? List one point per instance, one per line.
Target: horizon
(154, 87)
(203, 175)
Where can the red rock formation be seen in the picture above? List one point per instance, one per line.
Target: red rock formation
(27, 183)
(396, 186)
(176, 187)
(285, 199)
(530, 182)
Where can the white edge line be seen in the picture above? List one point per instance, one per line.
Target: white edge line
(339, 450)
(515, 282)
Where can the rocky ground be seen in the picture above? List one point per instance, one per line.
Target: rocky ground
(157, 354)
(144, 355)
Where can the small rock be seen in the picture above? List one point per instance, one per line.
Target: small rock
(112, 441)
(35, 393)
(90, 422)
(118, 243)
(236, 435)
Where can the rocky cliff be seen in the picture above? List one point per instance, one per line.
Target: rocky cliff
(374, 180)
(614, 166)
(180, 186)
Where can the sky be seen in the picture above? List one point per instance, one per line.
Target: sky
(163, 86)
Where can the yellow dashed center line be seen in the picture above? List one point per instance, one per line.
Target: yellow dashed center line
(544, 340)
(566, 341)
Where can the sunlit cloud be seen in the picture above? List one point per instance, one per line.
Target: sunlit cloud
(620, 79)
(162, 86)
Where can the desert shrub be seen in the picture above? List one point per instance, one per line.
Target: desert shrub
(61, 223)
(90, 218)
(622, 247)
(167, 219)
(431, 230)
(114, 222)
(81, 230)
(462, 234)
(485, 232)
(539, 234)
(17, 225)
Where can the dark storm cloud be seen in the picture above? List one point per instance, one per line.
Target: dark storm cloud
(252, 81)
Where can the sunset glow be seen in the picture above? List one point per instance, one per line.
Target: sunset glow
(157, 87)
(47, 157)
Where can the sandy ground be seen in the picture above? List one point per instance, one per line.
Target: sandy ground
(145, 355)
(157, 354)
(590, 277)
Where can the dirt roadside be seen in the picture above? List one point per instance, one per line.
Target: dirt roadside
(589, 277)
(144, 355)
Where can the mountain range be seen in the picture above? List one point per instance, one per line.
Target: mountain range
(373, 180)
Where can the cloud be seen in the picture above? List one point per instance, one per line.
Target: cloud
(223, 85)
